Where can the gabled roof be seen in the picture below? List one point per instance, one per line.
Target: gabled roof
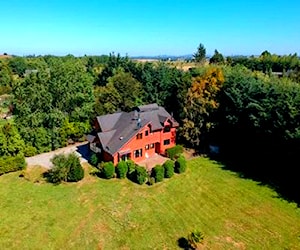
(118, 128)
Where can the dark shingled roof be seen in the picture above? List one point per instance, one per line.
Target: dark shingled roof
(118, 128)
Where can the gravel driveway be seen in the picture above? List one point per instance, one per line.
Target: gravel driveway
(80, 149)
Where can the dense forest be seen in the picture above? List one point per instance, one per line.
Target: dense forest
(247, 106)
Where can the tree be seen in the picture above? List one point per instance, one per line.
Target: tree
(217, 58)
(11, 143)
(200, 104)
(200, 55)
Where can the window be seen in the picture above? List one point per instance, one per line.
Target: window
(152, 145)
(167, 129)
(125, 157)
(146, 133)
(139, 136)
(147, 147)
(167, 142)
(138, 153)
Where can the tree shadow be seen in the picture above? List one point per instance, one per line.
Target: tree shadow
(183, 243)
(276, 170)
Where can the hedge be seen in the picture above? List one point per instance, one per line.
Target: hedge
(121, 169)
(174, 151)
(108, 170)
(180, 164)
(169, 168)
(158, 173)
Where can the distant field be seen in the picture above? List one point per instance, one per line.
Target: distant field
(232, 213)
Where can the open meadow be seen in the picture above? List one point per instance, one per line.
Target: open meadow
(231, 212)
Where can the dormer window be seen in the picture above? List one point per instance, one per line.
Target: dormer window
(139, 136)
(146, 133)
(167, 129)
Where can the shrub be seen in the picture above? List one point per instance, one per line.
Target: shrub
(12, 163)
(108, 170)
(174, 151)
(140, 175)
(30, 150)
(195, 238)
(66, 168)
(131, 170)
(76, 172)
(158, 173)
(169, 168)
(94, 159)
(121, 169)
(180, 164)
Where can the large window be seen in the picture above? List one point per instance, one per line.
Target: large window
(138, 153)
(152, 145)
(167, 142)
(147, 146)
(139, 136)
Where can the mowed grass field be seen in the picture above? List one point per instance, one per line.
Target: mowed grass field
(231, 212)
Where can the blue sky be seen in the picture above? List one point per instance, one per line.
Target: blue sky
(144, 27)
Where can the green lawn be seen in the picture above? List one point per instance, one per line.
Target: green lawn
(232, 213)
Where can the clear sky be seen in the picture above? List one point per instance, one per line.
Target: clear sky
(149, 27)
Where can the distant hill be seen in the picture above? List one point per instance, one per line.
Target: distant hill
(163, 57)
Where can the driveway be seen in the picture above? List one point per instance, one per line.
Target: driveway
(44, 160)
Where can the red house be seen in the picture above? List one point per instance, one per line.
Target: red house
(137, 135)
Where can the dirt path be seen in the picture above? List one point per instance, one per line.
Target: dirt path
(80, 149)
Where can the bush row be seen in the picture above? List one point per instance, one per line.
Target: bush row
(139, 174)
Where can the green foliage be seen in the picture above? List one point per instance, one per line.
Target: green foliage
(169, 168)
(217, 58)
(180, 165)
(76, 172)
(121, 92)
(122, 169)
(108, 170)
(174, 152)
(11, 143)
(200, 55)
(65, 168)
(29, 150)
(94, 160)
(12, 163)
(140, 175)
(158, 173)
(195, 238)
(131, 168)
(54, 104)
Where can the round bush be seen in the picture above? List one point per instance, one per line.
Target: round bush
(108, 170)
(158, 173)
(169, 168)
(76, 172)
(140, 175)
(180, 164)
(121, 169)
(131, 170)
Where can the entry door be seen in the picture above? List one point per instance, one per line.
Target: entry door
(157, 147)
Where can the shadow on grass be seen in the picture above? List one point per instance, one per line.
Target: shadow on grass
(274, 169)
(183, 243)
